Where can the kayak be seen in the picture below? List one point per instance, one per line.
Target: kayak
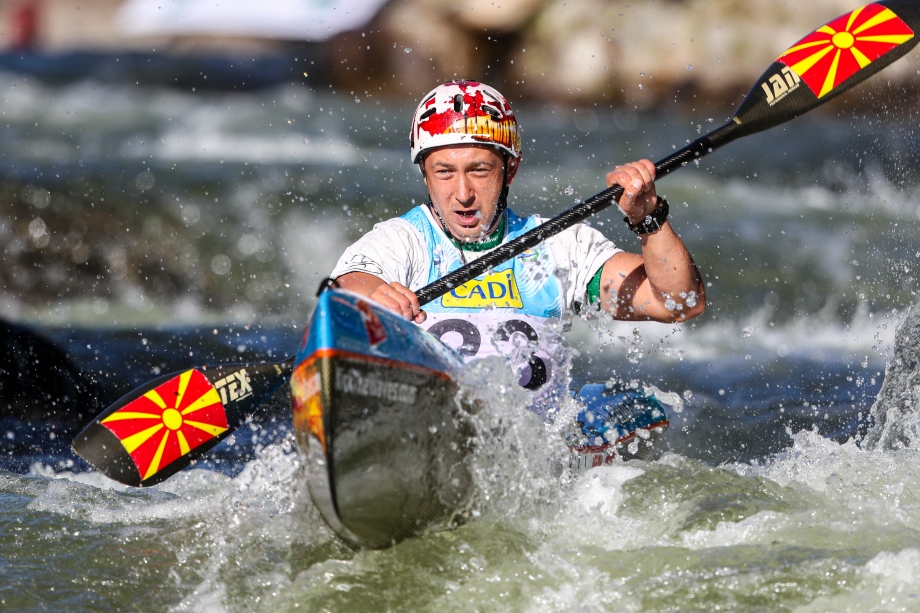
(376, 415)
(385, 432)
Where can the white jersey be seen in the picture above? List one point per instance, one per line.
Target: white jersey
(513, 305)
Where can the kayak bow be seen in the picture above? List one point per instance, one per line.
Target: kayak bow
(378, 419)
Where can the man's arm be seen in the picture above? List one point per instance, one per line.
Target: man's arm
(386, 252)
(663, 284)
(393, 296)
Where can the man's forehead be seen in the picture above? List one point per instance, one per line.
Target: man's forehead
(463, 154)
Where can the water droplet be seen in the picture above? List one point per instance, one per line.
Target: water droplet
(407, 50)
(221, 264)
(37, 228)
(144, 180)
(689, 66)
(569, 191)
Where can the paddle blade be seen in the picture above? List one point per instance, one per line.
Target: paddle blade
(163, 426)
(828, 62)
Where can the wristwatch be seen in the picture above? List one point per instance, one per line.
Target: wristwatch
(653, 221)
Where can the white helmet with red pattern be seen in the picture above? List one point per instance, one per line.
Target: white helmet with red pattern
(464, 112)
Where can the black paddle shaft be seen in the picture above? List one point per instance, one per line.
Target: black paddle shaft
(557, 224)
(778, 96)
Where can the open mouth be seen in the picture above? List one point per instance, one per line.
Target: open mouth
(468, 219)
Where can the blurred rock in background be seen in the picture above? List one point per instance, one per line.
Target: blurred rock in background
(640, 52)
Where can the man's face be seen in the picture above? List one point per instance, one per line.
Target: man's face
(464, 182)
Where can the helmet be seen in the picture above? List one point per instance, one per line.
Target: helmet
(464, 112)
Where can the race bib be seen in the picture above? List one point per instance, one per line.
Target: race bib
(479, 335)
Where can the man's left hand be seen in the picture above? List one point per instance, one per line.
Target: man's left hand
(639, 197)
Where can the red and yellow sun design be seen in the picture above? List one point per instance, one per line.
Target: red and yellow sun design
(169, 421)
(835, 52)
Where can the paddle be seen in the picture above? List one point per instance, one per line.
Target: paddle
(824, 64)
(821, 66)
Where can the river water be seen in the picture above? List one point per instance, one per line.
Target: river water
(148, 229)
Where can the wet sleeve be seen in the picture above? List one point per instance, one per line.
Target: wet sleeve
(392, 251)
(581, 252)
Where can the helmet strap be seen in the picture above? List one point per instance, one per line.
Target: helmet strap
(503, 196)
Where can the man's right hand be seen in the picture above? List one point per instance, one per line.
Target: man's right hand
(399, 299)
(393, 296)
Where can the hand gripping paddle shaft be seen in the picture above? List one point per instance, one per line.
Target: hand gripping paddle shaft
(163, 426)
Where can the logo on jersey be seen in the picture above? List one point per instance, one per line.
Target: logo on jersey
(530, 256)
(498, 289)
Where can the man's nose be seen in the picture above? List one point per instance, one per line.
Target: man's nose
(464, 189)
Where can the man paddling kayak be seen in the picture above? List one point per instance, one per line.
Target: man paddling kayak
(466, 142)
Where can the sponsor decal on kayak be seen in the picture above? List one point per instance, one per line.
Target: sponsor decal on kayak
(353, 381)
(498, 289)
(376, 333)
(834, 52)
(585, 460)
(169, 421)
(234, 387)
(308, 408)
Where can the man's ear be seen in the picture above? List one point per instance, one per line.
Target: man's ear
(513, 165)
(421, 167)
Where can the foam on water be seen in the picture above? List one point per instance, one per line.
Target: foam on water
(221, 538)
(818, 525)
(821, 337)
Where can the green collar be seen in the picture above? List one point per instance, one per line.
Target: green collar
(493, 241)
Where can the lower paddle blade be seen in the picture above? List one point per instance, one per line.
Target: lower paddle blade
(165, 425)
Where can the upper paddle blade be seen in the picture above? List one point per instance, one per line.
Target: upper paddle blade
(829, 61)
(163, 426)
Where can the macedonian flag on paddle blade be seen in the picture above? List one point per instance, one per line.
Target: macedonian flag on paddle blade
(168, 422)
(836, 51)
